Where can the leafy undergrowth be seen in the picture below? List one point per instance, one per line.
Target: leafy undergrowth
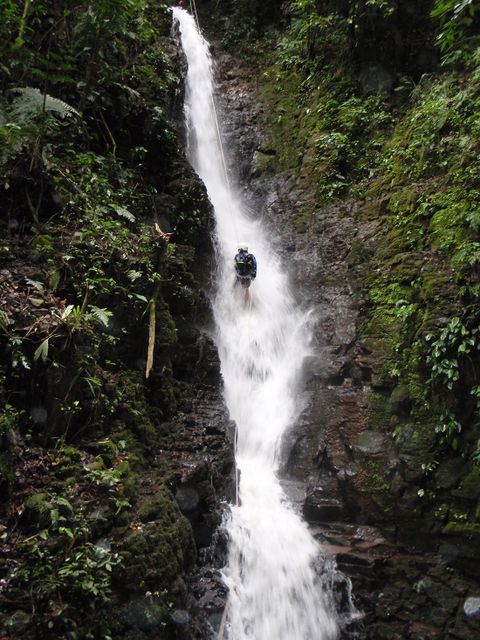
(102, 222)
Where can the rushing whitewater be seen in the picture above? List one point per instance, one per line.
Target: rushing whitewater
(275, 591)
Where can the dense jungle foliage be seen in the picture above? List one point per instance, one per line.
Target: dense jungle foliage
(376, 103)
(101, 218)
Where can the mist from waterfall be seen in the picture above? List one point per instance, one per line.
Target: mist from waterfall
(275, 586)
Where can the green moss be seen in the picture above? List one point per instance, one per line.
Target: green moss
(359, 254)
(378, 412)
(70, 463)
(37, 509)
(162, 547)
(468, 530)
(106, 449)
(372, 209)
(158, 506)
(469, 488)
(418, 440)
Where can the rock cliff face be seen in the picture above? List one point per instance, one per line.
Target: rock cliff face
(344, 470)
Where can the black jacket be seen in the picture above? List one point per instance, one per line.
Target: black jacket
(245, 265)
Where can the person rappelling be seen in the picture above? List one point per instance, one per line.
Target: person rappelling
(245, 266)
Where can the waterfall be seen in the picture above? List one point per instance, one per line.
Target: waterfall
(275, 586)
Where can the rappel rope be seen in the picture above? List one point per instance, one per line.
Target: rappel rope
(194, 12)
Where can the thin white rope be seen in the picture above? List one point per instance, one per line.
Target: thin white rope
(193, 10)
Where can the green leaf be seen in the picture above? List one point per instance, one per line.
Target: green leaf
(134, 275)
(54, 277)
(101, 315)
(41, 353)
(3, 320)
(39, 286)
(54, 516)
(67, 311)
(123, 212)
(63, 501)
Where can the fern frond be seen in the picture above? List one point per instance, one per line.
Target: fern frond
(29, 101)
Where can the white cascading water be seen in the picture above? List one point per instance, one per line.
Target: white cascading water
(275, 592)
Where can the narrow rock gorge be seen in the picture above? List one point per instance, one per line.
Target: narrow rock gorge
(351, 130)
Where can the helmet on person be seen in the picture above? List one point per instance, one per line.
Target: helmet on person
(243, 247)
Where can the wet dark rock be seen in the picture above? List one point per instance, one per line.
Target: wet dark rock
(321, 508)
(376, 78)
(143, 614)
(449, 473)
(187, 499)
(180, 617)
(369, 443)
(39, 415)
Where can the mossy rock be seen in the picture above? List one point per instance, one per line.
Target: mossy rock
(7, 467)
(380, 360)
(399, 401)
(263, 162)
(369, 443)
(449, 473)
(445, 231)
(128, 486)
(166, 331)
(470, 530)
(158, 506)
(379, 412)
(407, 266)
(416, 389)
(417, 440)
(70, 464)
(359, 253)
(144, 613)
(106, 449)
(469, 488)
(163, 546)
(37, 510)
(436, 282)
(372, 209)
(403, 201)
